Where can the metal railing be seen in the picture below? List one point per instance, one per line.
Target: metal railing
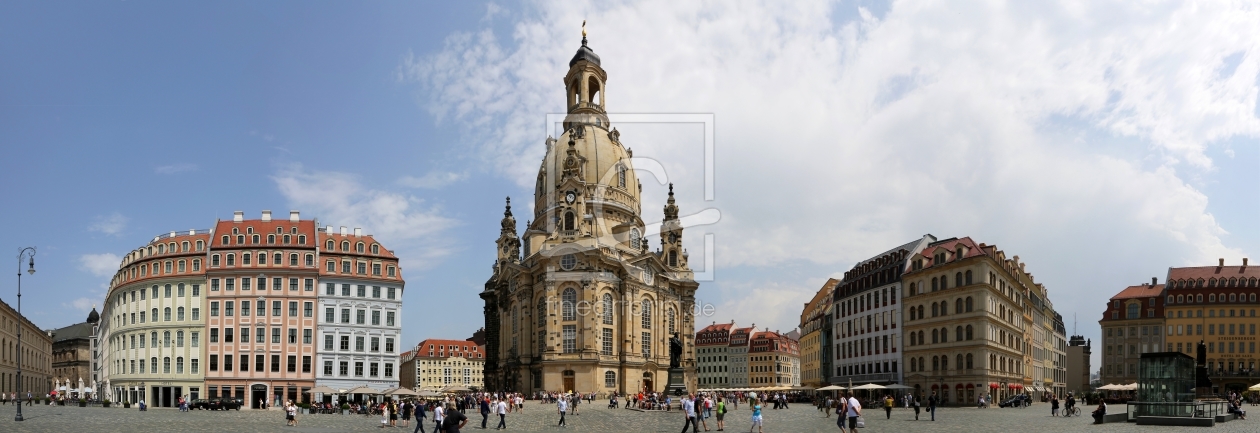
(1196, 409)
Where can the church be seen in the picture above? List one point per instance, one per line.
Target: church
(578, 301)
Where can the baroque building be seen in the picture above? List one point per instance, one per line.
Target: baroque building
(578, 302)
(816, 337)
(712, 363)
(72, 361)
(1215, 305)
(37, 356)
(1132, 325)
(437, 364)
(737, 356)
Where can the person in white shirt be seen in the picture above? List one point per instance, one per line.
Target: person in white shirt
(562, 404)
(689, 411)
(501, 409)
(853, 411)
(439, 414)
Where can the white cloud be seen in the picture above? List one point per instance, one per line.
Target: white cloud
(81, 304)
(175, 168)
(398, 220)
(101, 265)
(1068, 134)
(112, 224)
(432, 179)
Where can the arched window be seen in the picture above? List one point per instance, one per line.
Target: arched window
(936, 336)
(921, 339)
(330, 245)
(568, 304)
(568, 221)
(636, 241)
(358, 247)
(944, 363)
(166, 314)
(1134, 312)
(542, 313)
(153, 341)
(669, 317)
(515, 320)
(646, 312)
(376, 249)
(621, 176)
(958, 279)
(912, 311)
(958, 362)
(921, 312)
(293, 259)
(179, 315)
(969, 334)
(610, 379)
(968, 277)
(958, 306)
(936, 363)
(912, 289)
(608, 309)
(969, 304)
(166, 339)
(345, 245)
(958, 333)
(913, 340)
(934, 285)
(969, 366)
(179, 339)
(310, 260)
(934, 309)
(673, 257)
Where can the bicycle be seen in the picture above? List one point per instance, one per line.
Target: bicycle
(1071, 412)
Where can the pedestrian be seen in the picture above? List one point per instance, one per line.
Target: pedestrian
(562, 406)
(932, 405)
(407, 407)
(502, 409)
(454, 420)
(1054, 406)
(393, 413)
(484, 408)
(888, 405)
(689, 414)
(707, 411)
(721, 413)
(842, 405)
(755, 405)
(438, 415)
(914, 401)
(854, 410)
(290, 412)
(421, 408)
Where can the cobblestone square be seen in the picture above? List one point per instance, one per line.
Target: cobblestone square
(540, 418)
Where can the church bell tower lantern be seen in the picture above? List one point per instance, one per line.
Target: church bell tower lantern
(584, 85)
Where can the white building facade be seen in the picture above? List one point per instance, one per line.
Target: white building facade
(360, 313)
(712, 362)
(737, 356)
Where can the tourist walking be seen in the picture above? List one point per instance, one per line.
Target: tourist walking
(502, 409)
(291, 414)
(689, 414)
(420, 410)
(721, 413)
(932, 405)
(454, 421)
(562, 406)
(914, 401)
(755, 405)
(438, 415)
(484, 408)
(854, 410)
(841, 405)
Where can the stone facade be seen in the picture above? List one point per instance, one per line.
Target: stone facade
(37, 373)
(1132, 325)
(812, 325)
(578, 302)
(1217, 305)
(712, 362)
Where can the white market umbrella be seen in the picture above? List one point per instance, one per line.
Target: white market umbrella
(832, 388)
(870, 386)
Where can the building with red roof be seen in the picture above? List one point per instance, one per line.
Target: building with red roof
(1215, 305)
(712, 363)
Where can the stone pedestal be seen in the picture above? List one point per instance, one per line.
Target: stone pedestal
(677, 384)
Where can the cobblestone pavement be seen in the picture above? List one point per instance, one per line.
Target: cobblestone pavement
(540, 418)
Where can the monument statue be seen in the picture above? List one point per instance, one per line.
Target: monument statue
(675, 351)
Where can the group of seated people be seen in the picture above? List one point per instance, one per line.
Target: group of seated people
(1235, 407)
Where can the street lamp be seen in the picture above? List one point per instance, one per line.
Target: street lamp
(28, 252)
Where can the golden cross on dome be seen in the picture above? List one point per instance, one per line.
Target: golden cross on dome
(584, 28)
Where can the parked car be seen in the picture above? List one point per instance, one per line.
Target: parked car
(225, 403)
(199, 403)
(1019, 400)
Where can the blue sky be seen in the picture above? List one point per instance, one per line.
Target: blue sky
(1103, 143)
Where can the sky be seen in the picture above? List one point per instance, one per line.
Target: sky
(1102, 142)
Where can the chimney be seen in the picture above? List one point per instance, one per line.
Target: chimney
(358, 231)
(1244, 262)
(172, 234)
(1221, 263)
(1154, 280)
(343, 231)
(238, 216)
(192, 232)
(266, 216)
(293, 216)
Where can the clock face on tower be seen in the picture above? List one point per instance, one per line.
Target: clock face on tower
(569, 197)
(673, 237)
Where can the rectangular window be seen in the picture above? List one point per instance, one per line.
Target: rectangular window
(293, 308)
(306, 364)
(214, 335)
(277, 283)
(330, 315)
(229, 284)
(275, 335)
(358, 344)
(389, 369)
(275, 308)
(343, 369)
(214, 362)
(196, 339)
(646, 343)
(376, 344)
(358, 368)
(193, 367)
(306, 336)
(328, 342)
(389, 345)
(275, 363)
(292, 336)
(309, 285)
(390, 293)
(373, 369)
(227, 362)
(228, 308)
(569, 342)
(376, 269)
(244, 335)
(244, 361)
(389, 318)
(362, 268)
(345, 343)
(227, 335)
(376, 317)
(330, 289)
(376, 291)
(214, 309)
(262, 282)
(362, 291)
(196, 313)
(345, 289)
(607, 341)
(345, 315)
(260, 362)
(293, 282)
(245, 283)
(260, 336)
(262, 308)
(196, 290)
(244, 308)
(360, 316)
(328, 368)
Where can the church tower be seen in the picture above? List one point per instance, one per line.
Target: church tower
(585, 305)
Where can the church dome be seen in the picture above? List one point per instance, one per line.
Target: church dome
(93, 317)
(604, 165)
(584, 53)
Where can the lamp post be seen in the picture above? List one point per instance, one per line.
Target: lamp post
(29, 253)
